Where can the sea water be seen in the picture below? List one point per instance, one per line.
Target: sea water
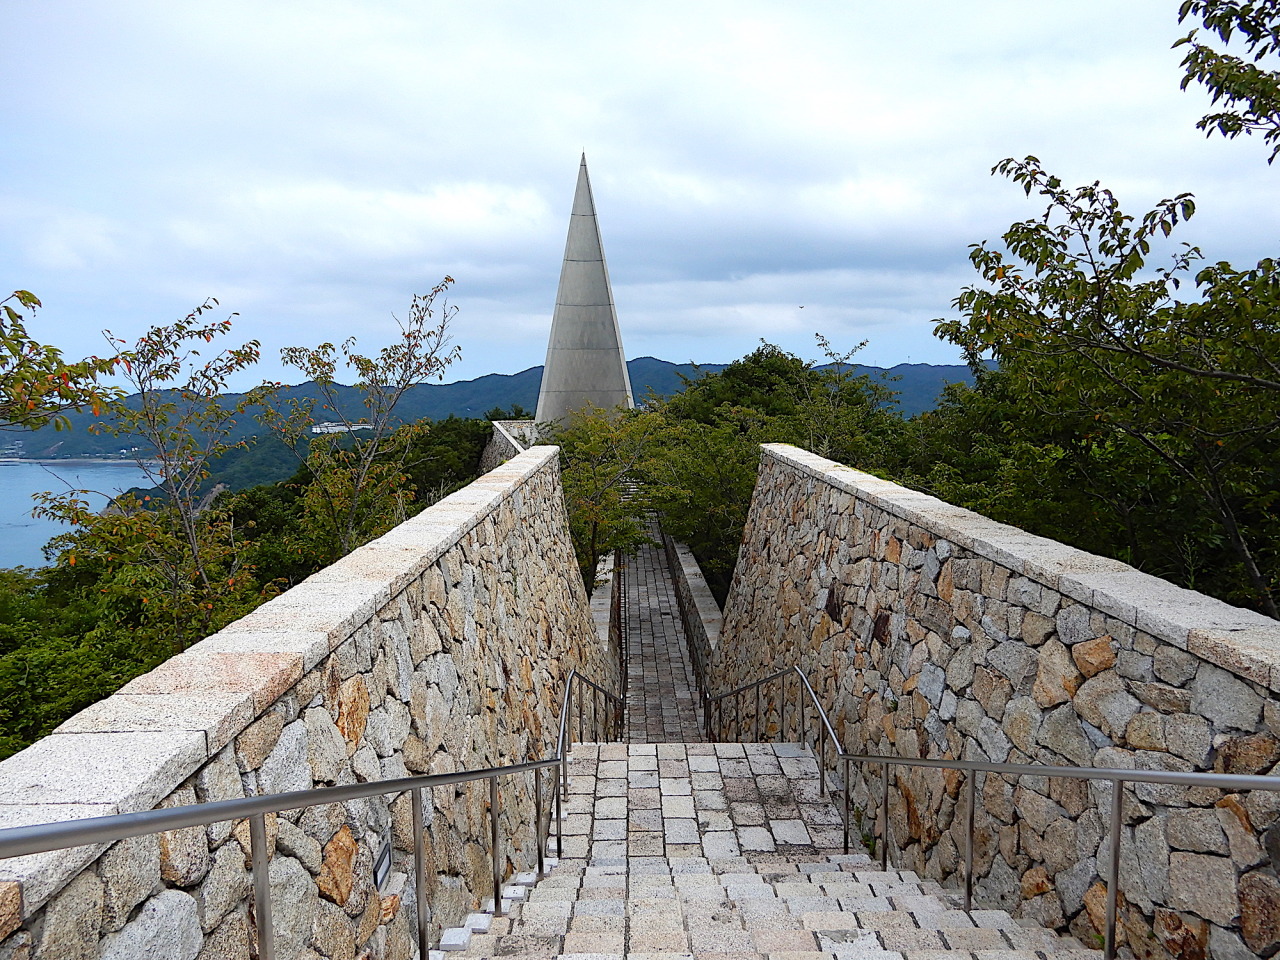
(21, 535)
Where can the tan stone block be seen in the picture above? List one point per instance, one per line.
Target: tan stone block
(242, 837)
(1035, 882)
(353, 709)
(10, 907)
(184, 854)
(1057, 679)
(336, 879)
(1146, 732)
(1094, 656)
(258, 740)
(1260, 912)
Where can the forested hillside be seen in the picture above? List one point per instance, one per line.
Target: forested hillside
(919, 386)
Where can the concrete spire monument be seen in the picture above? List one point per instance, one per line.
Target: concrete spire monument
(585, 363)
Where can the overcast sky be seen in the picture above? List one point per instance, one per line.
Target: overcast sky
(313, 165)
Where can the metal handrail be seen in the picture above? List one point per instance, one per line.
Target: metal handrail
(1117, 775)
(44, 837)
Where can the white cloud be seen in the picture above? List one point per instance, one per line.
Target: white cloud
(313, 164)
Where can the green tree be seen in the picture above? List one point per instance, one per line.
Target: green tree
(173, 564)
(602, 456)
(1084, 332)
(357, 488)
(36, 384)
(1247, 89)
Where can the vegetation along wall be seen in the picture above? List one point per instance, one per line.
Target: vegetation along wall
(441, 646)
(930, 631)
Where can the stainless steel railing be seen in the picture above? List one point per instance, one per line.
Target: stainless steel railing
(717, 724)
(605, 724)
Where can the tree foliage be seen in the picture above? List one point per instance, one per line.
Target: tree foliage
(36, 384)
(1247, 87)
(1084, 332)
(358, 489)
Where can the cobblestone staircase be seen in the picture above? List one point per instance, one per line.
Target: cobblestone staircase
(727, 850)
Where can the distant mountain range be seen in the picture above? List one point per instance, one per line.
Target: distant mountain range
(918, 384)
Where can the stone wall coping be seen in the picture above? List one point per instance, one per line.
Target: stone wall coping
(127, 752)
(1241, 641)
(520, 433)
(602, 600)
(704, 601)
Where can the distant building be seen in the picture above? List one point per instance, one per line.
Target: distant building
(340, 427)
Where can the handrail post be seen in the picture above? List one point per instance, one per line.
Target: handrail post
(822, 761)
(802, 737)
(261, 886)
(580, 739)
(884, 832)
(493, 839)
(847, 792)
(1113, 869)
(537, 820)
(971, 793)
(420, 870)
(559, 816)
(758, 713)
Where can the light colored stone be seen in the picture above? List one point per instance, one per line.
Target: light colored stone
(1203, 885)
(167, 926)
(1073, 624)
(1174, 666)
(1022, 723)
(130, 873)
(226, 885)
(1188, 737)
(1060, 732)
(287, 768)
(1197, 830)
(1105, 702)
(326, 748)
(230, 941)
(219, 779)
(1224, 700)
(72, 920)
(297, 844)
(333, 932)
(293, 907)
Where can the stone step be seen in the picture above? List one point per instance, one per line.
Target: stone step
(797, 907)
(731, 851)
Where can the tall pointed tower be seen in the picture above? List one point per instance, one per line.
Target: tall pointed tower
(585, 363)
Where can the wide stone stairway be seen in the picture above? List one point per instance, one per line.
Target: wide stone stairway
(720, 850)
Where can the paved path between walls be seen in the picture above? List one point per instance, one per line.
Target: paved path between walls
(727, 851)
(662, 700)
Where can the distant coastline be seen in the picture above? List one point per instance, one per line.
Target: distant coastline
(74, 461)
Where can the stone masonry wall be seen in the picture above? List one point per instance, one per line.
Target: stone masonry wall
(699, 611)
(510, 438)
(930, 631)
(441, 646)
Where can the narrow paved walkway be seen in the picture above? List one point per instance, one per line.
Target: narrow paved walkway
(728, 851)
(662, 700)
